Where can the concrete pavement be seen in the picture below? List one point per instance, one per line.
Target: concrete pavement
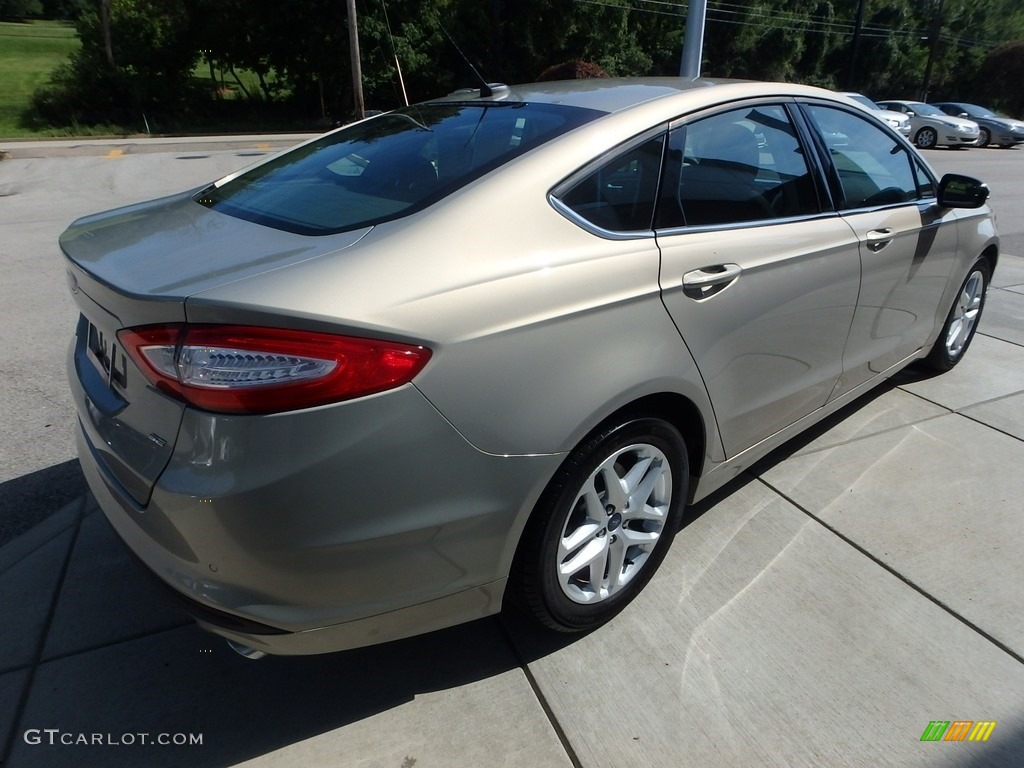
(44, 185)
(824, 609)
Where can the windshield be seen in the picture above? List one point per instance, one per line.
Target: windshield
(388, 166)
(925, 109)
(973, 110)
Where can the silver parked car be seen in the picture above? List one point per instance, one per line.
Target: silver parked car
(489, 346)
(995, 129)
(895, 120)
(931, 127)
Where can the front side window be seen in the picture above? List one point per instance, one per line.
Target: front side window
(743, 165)
(872, 167)
(389, 166)
(925, 185)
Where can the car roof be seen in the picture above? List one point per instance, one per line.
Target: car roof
(616, 94)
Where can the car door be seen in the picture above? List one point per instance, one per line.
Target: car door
(907, 243)
(759, 277)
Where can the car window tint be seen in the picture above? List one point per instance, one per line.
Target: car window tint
(388, 166)
(872, 166)
(620, 195)
(742, 165)
(925, 185)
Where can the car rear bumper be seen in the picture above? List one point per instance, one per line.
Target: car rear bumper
(330, 528)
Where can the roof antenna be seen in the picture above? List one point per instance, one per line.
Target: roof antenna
(485, 87)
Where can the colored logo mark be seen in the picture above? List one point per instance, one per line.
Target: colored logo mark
(958, 730)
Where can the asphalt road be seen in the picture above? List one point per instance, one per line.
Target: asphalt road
(46, 185)
(43, 187)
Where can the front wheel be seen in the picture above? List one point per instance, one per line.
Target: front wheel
(962, 321)
(603, 525)
(926, 138)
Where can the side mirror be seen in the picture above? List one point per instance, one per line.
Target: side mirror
(963, 114)
(956, 191)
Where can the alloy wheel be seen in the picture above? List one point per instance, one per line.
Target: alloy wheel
(614, 523)
(965, 314)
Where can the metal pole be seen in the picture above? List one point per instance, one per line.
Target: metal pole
(357, 71)
(851, 71)
(933, 49)
(693, 42)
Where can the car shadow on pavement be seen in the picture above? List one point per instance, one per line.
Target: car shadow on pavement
(27, 500)
(115, 659)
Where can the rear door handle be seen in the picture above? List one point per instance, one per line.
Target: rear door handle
(877, 239)
(720, 273)
(701, 283)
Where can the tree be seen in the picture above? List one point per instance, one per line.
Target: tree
(1000, 76)
(141, 59)
(108, 45)
(140, 68)
(20, 9)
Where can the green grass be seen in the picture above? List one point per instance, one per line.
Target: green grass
(28, 54)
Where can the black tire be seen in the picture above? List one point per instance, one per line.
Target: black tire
(984, 137)
(963, 318)
(926, 138)
(601, 527)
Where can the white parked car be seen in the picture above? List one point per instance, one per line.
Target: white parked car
(896, 120)
(931, 127)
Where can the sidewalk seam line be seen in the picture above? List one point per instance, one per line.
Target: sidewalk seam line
(8, 747)
(958, 412)
(187, 622)
(998, 338)
(34, 549)
(542, 700)
(934, 600)
(859, 438)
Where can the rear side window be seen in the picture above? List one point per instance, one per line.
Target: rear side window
(389, 166)
(744, 165)
(872, 167)
(619, 196)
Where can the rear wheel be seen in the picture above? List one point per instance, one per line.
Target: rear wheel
(926, 138)
(962, 321)
(603, 526)
(984, 137)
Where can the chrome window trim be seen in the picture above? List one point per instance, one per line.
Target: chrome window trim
(728, 106)
(817, 173)
(753, 223)
(563, 186)
(592, 228)
(914, 157)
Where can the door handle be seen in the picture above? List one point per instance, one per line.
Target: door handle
(701, 283)
(720, 273)
(877, 239)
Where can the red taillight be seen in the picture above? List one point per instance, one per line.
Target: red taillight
(243, 369)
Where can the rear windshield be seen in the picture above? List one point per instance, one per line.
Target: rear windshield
(388, 166)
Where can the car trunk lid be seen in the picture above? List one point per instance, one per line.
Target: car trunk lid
(136, 266)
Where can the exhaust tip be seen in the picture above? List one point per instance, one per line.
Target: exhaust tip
(245, 651)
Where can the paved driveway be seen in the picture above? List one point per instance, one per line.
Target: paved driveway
(860, 583)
